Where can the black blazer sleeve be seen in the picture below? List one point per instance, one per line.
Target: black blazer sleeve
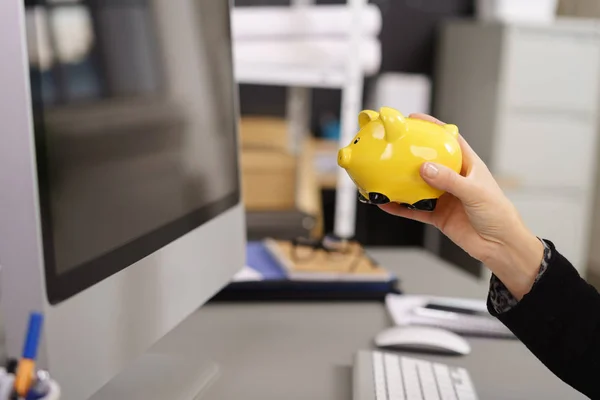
(559, 321)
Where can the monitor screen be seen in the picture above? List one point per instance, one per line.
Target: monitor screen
(135, 131)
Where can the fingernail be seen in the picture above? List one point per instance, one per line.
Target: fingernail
(430, 170)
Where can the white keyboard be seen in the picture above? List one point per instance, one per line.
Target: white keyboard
(388, 376)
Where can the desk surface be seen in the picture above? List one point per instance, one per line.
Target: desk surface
(305, 351)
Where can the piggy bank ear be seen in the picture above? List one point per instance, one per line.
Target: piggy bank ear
(367, 116)
(452, 129)
(394, 123)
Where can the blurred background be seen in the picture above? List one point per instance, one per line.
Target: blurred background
(520, 78)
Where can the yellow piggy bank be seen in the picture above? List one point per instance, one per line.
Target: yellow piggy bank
(385, 157)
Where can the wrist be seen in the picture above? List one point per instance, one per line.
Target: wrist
(516, 262)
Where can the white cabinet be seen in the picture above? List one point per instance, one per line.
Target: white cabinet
(546, 151)
(560, 217)
(551, 69)
(526, 97)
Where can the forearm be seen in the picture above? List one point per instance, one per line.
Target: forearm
(559, 321)
(516, 262)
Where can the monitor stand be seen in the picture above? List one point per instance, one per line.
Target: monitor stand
(160, 376)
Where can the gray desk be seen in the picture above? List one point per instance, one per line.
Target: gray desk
(304, 351)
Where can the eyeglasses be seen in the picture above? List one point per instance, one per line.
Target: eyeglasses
(335, 250)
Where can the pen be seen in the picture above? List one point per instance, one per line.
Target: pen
(26, 367)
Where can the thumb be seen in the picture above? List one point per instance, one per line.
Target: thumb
(446, 179)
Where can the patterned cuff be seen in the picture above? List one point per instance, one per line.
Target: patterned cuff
(502, 300)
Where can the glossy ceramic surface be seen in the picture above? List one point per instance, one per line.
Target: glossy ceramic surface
(385, 156)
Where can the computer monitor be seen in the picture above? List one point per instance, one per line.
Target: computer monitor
(120, 209)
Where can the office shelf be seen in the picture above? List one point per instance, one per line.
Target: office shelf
(300, 80)
(332, 78)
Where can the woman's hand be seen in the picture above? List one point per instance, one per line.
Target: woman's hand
(476, 215)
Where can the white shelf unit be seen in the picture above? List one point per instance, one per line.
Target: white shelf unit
(331, 78)
(300, 81)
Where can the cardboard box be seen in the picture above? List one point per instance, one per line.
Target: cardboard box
(268, 179)
(270, 132)
(268, 169)
(273, 179)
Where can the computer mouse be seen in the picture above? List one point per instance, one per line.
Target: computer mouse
(426, 339)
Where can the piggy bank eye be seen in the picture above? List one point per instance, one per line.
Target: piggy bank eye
(357, 140)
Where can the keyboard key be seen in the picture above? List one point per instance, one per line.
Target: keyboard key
(412, 386)
(428, 381)
(380, 378)
(462, 395)
(395, 382)
(464, 386)
(445, 385)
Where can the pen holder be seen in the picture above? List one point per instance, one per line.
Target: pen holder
(385, 156)
(43, 387)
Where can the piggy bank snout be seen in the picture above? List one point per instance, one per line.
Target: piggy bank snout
(344, 156)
